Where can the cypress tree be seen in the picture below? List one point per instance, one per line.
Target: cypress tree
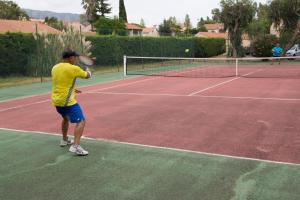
(122, 11)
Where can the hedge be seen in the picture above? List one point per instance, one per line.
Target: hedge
(109, 50)
(15, 53)
(17, 50)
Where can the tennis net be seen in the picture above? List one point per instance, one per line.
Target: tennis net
(268, 67)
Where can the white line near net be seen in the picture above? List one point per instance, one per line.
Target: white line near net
(222, 83)
(123, 85)
(160, 148)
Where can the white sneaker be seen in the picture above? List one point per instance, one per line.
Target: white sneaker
(78, 150)
(64, 143)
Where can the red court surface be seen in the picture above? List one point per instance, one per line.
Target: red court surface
(244, 117)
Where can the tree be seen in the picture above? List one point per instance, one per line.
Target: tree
(174, 24)
(285, 14)
(263, 11)
(93, 7)
(83, 20)
(165, 28)
(11, 10)
(260, 26)
(187, 24)
(104, 8)
(236, 15)
(105, 26)
(142, 23)
(200, 25)
(122, 11)
(216, 15)
(169, 27)
(55, 23)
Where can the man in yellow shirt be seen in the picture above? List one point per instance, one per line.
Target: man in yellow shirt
(64, 77)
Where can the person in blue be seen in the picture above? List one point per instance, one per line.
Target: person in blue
(276, 52)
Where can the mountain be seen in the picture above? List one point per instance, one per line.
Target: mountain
(38, 14)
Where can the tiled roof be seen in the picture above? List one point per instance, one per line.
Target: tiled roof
(212, 35)
(25, 27)
(216, 26)
(219, 35)
(148, 30)
(77, 25)
(133, 27)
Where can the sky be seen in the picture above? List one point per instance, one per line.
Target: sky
(153, 12)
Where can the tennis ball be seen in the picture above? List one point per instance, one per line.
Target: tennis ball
(186, 50)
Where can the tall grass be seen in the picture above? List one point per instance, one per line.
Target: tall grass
(50, 47)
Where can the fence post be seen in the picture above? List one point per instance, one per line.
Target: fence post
(125, 65)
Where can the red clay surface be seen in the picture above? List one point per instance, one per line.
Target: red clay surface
(159, 111)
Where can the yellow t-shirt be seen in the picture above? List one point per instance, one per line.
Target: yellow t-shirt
(64, 78)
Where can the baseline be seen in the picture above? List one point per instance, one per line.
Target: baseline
(161, 148)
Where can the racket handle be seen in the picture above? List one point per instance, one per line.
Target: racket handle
(87, 69)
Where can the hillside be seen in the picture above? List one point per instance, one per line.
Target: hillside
(38, 14)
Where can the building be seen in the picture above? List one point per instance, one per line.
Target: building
(214, 28)
(25, 27)
(274, 30)
(134, 30)
(212, 35)
(150, 32)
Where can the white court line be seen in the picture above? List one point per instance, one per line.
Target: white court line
(94, 84)
(24, 105)
(23, 97)
(195, 96)
(222, 83)
(252, 98)
(39, 102)
(122, 85)
(140, 94)
(161, 148)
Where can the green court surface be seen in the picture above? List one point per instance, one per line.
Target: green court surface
(39, 88)
(34, 167)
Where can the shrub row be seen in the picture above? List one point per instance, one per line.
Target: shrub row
(15, 53)
(109, 50)
(17, 50)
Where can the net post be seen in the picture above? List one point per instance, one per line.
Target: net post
(125, 65)
(236, 67)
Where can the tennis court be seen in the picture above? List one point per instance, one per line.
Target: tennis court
(229, 137)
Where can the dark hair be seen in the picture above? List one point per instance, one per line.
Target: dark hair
(67, 53)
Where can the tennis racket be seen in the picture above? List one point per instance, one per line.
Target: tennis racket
(85, 60)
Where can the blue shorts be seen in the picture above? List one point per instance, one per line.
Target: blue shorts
(73, 113)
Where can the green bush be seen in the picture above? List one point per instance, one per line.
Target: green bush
(262, 46)
(105, 26)
(209, 47)
(15, 53)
